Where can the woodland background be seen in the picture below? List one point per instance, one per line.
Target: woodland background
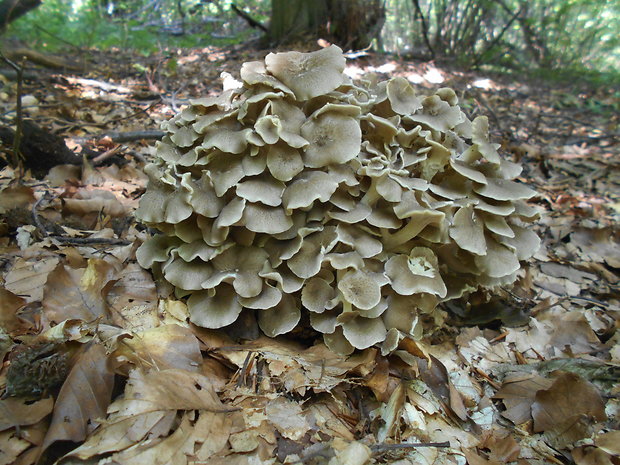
(99, 363)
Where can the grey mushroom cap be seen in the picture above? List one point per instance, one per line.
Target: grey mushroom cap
(303, 196)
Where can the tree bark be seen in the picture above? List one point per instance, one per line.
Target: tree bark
(351, 24)
(10, 10)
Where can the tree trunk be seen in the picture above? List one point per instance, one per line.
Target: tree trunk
(10, 10)
(351, 24)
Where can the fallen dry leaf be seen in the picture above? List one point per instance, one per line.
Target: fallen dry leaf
(503, 450)
(518, 393)
(173, 450)
(170, 389)
(95, 202)
(16, 196)
(213, 429)
(83, 398)
(350, 453)
(27, 277)
(164, 347)
(9, 307)
(288, 418)
(17, 412)
(118, 433)
(609, 442)
(11, 446)
(567, 410)
(133, 300)
(78, 293)
(474, 458)
(390, 413)
(437, 378)
(588, 455)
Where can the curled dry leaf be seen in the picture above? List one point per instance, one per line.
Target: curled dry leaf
(83, 398)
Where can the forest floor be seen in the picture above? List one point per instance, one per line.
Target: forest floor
(101, 366)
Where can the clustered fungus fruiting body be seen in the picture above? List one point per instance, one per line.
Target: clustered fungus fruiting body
(360, 206)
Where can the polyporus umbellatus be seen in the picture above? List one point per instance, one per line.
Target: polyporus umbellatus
(302, 192)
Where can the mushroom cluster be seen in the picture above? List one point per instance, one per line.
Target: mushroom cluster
(356, 207)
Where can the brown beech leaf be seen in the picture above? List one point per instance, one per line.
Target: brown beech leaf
(288, 418)
(119, 433)
(16, 196)
(609, 442)
(173, 450)
(214, 430)
(11, 446)
(9, 306)
(94, 201)
(567, 410)
(78, 293)
(171, 389)
(503, 450)
(27, 277)
(588, 455)
(474, 459)
(575, 334)
(436, 376)
(133, 299)
(518, 393)
(194, 440)
(16, 412)
(83, 398)
(167, 346)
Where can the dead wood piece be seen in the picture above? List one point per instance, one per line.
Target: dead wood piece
(28, 75)
(89, 240)
(40, 149)
(47, 61)
(10, 10)
(105, 86)
(120, 137)
(251, 21)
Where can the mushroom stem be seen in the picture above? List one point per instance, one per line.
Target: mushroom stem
(372, 195)
(346, 305)
(412, 229)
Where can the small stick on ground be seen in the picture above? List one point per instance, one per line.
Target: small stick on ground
(121, 137)
(19, 70)
(107, 154)
(378, 448)
(89, 240)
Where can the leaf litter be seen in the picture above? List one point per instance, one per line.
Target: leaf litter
(112, 372)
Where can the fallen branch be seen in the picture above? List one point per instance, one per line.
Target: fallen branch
(12, 75)
(251, 21)
(17, 135)
(120, 137)
(376, 448)
(89, 240)
(105, 86)
(40, 149)
(107, 154)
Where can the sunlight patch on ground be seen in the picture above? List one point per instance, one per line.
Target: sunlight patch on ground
(386, 68)
(484, 83)
(434, 76)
